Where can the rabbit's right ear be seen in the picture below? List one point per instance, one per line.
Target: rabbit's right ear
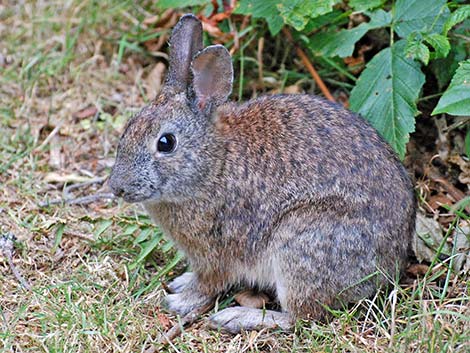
(212, 77)
(185, 42)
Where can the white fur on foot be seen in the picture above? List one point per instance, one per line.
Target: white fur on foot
(181, 282)
(237, 318)
(184, 302)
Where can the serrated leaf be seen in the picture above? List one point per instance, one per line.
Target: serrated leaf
(166, 4)
(362, 5)
(456, 99)
(416, 49)
(419, 16)
(386, 94)
(459, 15)
(342, 43)
(297, 13)
(440, 44)
(265, 9)
(335, 17)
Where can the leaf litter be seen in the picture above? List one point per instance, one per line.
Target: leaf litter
(72, 133)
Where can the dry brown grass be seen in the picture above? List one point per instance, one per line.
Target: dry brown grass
(58, 62)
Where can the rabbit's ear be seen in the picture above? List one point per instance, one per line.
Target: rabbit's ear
(212, 76)
(185, 42)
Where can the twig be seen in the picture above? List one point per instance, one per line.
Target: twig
(98, 180)
(309, 66)
(50, 136)
(187, 320)
(83, 200)
(6, 245)
(259, 56)
(80, 235)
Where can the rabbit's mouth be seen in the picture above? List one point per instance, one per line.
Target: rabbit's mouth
(131, 192)
(134, 198)
(131, 196)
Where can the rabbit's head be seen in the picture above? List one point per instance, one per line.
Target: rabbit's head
(168, 150)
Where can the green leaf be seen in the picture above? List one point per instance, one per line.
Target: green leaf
(167, 246)
(459, 15)
(342, 43)
(386, 94)
(102, 226)
(456, 99)
(297, 13)
(147, 248)
(143, 235)
(130, 229)
(416, 49)
(440, 44)
(419, 16)
(166, 4)
(335, 17)
(362, 5)
(265, 9)
(58, 236)
(170, 264)
(444, 69)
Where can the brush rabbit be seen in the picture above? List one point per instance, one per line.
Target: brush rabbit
(286, 193)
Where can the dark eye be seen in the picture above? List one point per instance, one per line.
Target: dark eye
(166, 143)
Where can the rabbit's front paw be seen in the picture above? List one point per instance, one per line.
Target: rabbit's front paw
(240, 318)
(184, 302)
(181, 282)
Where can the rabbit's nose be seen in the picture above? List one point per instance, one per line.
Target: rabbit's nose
(117, 191)
(114, 187)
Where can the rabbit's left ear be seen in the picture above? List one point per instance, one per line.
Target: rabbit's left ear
(212, 76)
(185, 42)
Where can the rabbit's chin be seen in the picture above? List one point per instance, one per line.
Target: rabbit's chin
(135, 198)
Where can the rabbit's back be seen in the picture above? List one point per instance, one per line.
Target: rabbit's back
(286, 152)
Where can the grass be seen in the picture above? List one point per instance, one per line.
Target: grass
(96, 285)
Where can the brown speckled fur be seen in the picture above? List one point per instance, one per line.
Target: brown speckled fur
(289, 193)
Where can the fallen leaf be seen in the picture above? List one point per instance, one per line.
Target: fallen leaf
(428, 237)
(293, 89)
(456, 194)
(462, 247)
(164, 321)
(343, 99)
(464, 165)
(214, 31)
(154, 45)
(436, 201)
(55, 155)
(62, 179)
(417, 270)
(154, 80)
(85, 113)
(167, 19)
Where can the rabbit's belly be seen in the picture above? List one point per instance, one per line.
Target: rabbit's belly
(261, 275)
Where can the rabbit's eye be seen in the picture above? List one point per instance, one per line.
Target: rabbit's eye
(166, 143)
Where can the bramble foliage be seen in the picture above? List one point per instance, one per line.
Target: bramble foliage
(419, 34)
